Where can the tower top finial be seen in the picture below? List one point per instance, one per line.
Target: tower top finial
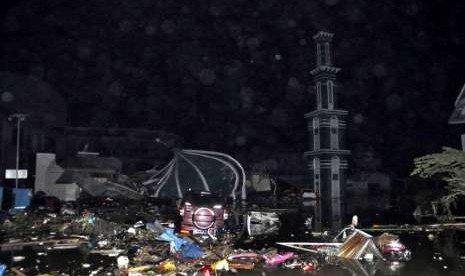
(323, 47)
(323, 36)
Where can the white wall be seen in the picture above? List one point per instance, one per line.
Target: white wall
(47, 173)
(261, 183)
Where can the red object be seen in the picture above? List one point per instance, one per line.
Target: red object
(308, 267)
(206, 270)
(184, 230)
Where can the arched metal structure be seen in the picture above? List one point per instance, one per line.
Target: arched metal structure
(199, 170)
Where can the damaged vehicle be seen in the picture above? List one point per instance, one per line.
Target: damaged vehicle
(392, 248)
(262, 223)
(203, 215)
(206, 216)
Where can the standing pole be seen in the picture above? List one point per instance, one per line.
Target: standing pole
(18, 133)
(19, 117)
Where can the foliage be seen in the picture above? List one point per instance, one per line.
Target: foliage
(449, 166)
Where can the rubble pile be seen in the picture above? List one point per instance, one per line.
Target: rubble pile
(103, 239)
(109, 237)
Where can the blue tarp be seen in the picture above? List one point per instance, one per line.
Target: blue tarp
(22, 198)
(180, 245)
(191, 250)
(2, 269)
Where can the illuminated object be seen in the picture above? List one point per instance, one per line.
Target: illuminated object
(199, 170)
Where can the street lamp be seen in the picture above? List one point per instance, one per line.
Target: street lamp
(19, 117)
(160, 141)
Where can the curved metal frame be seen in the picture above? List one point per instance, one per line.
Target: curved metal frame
(198, 171)
(236, 174)
(228, 161)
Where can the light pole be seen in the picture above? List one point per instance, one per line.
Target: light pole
(160, 141)
(19, 118)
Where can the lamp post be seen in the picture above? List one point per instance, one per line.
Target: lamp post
(19, 117)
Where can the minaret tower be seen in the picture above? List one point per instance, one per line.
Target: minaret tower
(327, 157)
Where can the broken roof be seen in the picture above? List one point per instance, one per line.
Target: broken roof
(358, 245)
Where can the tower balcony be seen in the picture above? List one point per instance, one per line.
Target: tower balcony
(326, 111)
(325, 70)
(327, 152)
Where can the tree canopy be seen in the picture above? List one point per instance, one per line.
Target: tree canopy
(449, 166)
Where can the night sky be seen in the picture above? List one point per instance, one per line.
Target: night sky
(233, 76)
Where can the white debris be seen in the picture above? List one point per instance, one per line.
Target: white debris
(18, 258)
(102, 243)
(139, 224)
(368, 257)
(123, 262)
(96, 272)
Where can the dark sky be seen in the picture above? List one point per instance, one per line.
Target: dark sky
(233, 75)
